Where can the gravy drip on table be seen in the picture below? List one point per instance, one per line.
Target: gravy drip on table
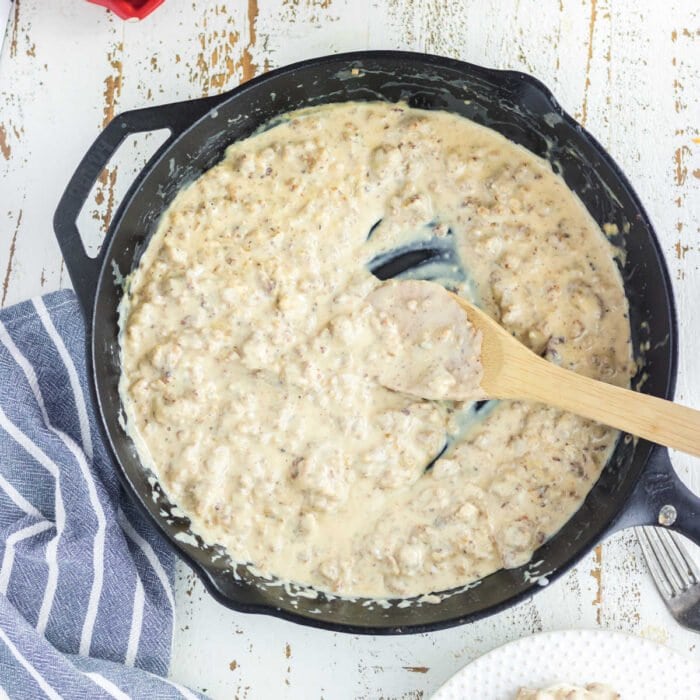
(250, 380)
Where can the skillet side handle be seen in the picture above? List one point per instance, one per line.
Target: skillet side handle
(83, 269)
(661, 498)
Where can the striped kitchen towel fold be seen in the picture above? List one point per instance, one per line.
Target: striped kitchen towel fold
(86, 599)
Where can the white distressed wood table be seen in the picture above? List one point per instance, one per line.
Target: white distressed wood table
(629, 70)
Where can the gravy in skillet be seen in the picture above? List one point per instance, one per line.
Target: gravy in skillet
(253, 354)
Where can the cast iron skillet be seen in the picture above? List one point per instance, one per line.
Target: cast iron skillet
(637, 482)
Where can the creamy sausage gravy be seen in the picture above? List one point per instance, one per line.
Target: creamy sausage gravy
(564, 691)
(255, 363)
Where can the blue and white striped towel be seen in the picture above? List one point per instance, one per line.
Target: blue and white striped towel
(86, 601)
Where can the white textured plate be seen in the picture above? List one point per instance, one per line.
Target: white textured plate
(636, 668)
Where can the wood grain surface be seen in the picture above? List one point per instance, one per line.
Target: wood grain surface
(628, 70)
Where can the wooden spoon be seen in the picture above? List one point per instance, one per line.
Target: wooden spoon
(512, 371)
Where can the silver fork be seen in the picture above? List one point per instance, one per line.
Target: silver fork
(674, 572)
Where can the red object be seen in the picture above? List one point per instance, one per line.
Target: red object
(129, 9)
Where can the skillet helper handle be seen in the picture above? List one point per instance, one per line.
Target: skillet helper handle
(83, 269)
(660, 498)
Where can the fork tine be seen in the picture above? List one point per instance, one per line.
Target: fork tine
(682, 560)
(653, 564)
(659, 546)
(674, 572)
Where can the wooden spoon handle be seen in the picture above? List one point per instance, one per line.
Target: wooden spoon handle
(648, 417)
